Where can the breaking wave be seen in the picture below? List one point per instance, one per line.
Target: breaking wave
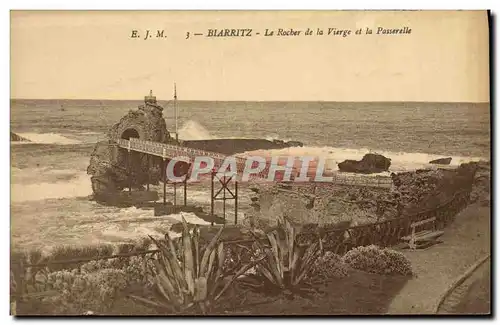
(47, 138)
(78, 186)
(400, 161)
(192, 130)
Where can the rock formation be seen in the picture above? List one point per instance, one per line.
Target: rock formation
(441, 161)
(108, 164)
(481, 188)
(17, 138)
(426, 189)
(331, 204)
(371, 163)
(295, 144)
(321, 203)
(234, 146)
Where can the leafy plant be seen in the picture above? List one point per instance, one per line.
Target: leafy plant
(286, 264)
(190, 278)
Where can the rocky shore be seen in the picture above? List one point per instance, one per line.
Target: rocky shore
(17, 138)
(355, 205)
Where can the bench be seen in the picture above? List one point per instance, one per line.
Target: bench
(420, 237)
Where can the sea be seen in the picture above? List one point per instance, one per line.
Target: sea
(50, 189)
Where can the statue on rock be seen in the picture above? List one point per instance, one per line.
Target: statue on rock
(108, 164)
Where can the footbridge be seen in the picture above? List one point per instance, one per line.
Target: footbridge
(168, 152)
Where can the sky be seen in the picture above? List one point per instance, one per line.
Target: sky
(90, 55)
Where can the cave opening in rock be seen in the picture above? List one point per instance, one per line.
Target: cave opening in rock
(130, 133)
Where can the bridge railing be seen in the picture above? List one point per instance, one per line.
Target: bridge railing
(169, 151)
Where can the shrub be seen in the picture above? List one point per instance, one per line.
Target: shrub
(329, 266)
(74, 293)
(376, 260)
(81, 292)
(136, 268)
(93, 286)
(398, 263)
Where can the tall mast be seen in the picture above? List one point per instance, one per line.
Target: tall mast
(175, 112)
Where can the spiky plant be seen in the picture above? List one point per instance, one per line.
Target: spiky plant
(286, 265)
(191, 279)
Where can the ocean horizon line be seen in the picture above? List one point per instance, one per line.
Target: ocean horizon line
(248, 101)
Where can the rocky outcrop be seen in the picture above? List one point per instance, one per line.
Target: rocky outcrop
(331, 204)
(481, 188)
(441, 161)
(426, 189)
(146, 123)
(17, 138)
(294, 144)
(234, 146)
(371, 163)
(322, 204)
(108, 165)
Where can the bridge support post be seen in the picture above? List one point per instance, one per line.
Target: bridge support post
(225, 190)
(129, 167)
(185, 191)
(212, 196)
(164, 169)
(164, 172)
(149, 177)
(223, 198)
(175, 195)
(235, 202)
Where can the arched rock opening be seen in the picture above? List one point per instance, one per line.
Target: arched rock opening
(130, 133)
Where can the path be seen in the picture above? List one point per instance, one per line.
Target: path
(454, 299)
(465, 241)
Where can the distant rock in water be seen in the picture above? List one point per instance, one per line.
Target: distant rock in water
(371, 163)
(233, 146)
(441, 161)
(16, 138)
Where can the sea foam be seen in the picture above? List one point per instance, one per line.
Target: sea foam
(400, 161)
(48, 138)
(79, 186)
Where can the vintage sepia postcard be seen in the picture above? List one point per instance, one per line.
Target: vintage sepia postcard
(250, 163)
